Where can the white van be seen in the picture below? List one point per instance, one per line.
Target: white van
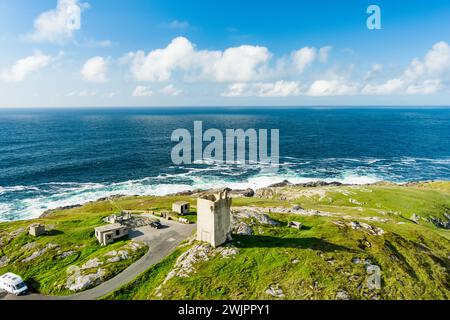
(13, 284)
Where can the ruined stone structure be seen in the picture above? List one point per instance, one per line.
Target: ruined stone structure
(108, 233)
(213, 218)
(181, 207)
(36, 229)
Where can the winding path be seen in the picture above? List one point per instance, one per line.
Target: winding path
(161, 243)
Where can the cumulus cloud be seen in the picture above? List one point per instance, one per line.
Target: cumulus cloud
(239, 64)
(95, 70)
(389, 87)
(421, 76)
(425, 87)
(322, 88)
(170, 90)
(23, 68)
(175, 24)
(58, 25)
(142, 91)
(263, 89)
(324, 53)
(82, 93)
(304, 57)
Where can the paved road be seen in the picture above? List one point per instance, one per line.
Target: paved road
(161, 243)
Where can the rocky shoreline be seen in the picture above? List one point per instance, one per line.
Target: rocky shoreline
(247, 193)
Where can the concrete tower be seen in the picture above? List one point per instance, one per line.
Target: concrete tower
(213, 218)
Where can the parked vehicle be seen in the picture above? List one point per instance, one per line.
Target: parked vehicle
(13, 284)
(156, 225)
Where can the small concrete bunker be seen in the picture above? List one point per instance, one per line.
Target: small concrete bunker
(108, 233)
(213, 218)
(181, 207)
(36, 229)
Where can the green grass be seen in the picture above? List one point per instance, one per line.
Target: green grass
(414, 258)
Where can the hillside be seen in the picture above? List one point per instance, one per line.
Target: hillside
(348, 233)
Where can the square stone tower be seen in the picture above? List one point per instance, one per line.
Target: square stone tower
(214, 218)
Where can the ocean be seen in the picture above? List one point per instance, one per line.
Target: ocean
(58, 157)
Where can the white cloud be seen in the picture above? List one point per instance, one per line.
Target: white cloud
(82, 93)
(374, 71)
(425, 87)
(95, 70)
(389, 87)
(170, 90)
(421, 76)
(58, 25)
(239, 64)
(324, 53)
(264, 89)
(142, 91)
(321, 88)
(436, 62)
(303, 58)
(175, 24)
(23, 68)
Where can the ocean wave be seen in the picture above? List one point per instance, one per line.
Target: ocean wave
(66, 194)
(25, 202)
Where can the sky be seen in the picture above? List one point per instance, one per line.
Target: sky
(92, 53)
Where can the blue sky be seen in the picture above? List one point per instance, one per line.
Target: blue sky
(206, 53)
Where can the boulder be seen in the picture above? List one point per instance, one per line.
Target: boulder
(77, 282)
(275, 291)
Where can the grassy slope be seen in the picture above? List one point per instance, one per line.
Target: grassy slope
(72, 230)
(414, 259)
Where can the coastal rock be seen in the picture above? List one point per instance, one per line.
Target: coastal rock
(135, 246)
(354, 201)
(185, 264)
(253, 213)
(247, 193)
(77, 282)
(375, 231)
(29, 246)
(227, 252)
(416, 218)
(300, 211)
(4, 261)
(93, 263)
(117, 256)
(14, 234)
(275, 291)
(342, 295)
(439, 223)
(66, 254)
(39, 253)
(315, 184)
(243, 229)
(284, 183)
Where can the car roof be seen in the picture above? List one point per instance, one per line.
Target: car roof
(11, 278)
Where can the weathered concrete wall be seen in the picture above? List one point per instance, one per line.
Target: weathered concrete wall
(214, 218)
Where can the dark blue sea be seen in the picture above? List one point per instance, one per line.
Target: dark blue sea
(54, 158)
